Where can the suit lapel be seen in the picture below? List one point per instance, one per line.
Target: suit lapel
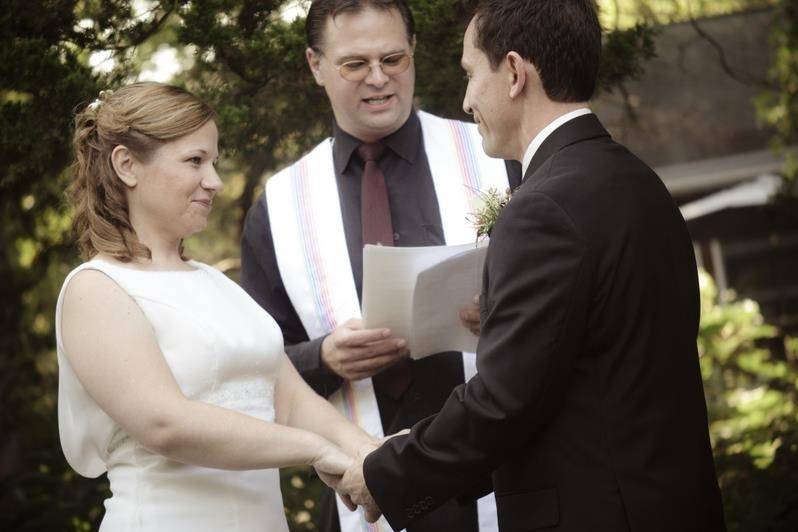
(584, 127)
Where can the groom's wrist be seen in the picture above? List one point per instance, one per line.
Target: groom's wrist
(374, 477)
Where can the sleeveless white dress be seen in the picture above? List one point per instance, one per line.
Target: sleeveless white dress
(222, 349)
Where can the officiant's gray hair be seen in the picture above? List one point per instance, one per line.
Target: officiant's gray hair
(321, 10)
(561, 39)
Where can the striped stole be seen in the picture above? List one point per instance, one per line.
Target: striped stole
(310, 245)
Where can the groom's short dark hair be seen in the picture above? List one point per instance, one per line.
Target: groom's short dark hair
(561, 38)
(320, 10)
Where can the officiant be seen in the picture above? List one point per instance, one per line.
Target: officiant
(389, 175)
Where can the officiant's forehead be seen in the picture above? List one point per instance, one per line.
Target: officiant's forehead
(324, 12)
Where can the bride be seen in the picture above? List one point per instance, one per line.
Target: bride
(171, 378)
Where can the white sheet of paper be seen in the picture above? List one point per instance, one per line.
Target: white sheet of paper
(440, 292)
(417, 292)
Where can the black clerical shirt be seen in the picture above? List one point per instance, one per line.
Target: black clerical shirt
(416, 222)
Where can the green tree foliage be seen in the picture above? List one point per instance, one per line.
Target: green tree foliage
(779, 107)
(624, 55)
(627, 13)
(43, 76)
(751, 384)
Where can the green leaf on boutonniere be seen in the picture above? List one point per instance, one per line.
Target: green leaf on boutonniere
(489, 205)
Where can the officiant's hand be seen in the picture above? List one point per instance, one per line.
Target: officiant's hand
(355, 353)
(469, 316)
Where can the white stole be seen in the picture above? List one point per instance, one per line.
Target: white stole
(310, 244)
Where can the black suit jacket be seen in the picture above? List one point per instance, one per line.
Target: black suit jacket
(588, 407)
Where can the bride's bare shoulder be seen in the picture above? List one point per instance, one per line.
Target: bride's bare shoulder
(91, 289)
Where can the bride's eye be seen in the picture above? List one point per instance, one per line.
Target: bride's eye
(195, 160)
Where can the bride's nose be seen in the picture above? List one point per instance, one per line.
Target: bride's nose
(212, 181)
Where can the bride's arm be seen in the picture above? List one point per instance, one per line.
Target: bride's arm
(113, 350)
(299, 406)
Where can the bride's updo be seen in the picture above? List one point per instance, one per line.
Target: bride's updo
(141, 116)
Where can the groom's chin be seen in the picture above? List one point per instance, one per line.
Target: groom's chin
(493, 151)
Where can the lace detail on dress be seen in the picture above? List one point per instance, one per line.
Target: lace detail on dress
(253, 396)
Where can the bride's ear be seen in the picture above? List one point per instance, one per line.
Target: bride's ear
(124, 165)
(516, 73)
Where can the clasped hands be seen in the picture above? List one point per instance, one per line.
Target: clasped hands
(355, 353)
(345, 475)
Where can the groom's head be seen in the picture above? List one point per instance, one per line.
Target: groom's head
(361, 52)
(522, 59)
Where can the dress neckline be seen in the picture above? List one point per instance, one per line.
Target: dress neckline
(194, 267)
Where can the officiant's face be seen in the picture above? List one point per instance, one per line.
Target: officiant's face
(379, 104)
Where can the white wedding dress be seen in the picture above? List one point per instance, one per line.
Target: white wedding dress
(222, 349)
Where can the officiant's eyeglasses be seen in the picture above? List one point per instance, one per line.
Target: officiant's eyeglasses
(391, 65)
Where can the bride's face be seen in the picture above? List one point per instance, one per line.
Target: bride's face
(175, 187)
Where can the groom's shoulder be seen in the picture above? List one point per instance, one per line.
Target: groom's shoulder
(594, 167)
(585, 177)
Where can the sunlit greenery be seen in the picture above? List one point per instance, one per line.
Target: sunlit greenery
(751, 384)
(627, 13)
(779, 105)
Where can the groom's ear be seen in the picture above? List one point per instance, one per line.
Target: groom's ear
(313, 58)
(516, 73)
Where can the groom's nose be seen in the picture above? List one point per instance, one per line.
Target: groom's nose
(467, 104)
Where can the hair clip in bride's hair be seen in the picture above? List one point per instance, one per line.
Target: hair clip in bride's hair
(99, 100)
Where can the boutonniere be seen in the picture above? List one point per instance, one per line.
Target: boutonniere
(488, 206)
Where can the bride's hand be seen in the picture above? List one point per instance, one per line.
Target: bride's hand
(330, 464)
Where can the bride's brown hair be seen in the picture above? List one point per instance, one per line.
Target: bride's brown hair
(141, 116)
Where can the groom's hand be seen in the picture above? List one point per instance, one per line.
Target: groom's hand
(469, 316)
(353, 489)
(355, 353)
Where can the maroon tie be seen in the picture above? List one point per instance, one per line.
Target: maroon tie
(377, 229)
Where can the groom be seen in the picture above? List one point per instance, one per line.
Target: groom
(587, 411)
